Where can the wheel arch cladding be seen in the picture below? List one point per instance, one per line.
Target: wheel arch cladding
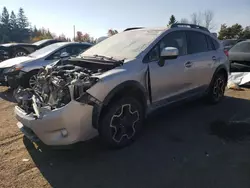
(221, 70)
(128, 88)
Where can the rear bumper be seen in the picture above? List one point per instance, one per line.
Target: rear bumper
(64, 126)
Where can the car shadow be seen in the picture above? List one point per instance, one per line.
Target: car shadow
(176, 149)
(7, 95)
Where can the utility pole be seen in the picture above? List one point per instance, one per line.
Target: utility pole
(74, 28)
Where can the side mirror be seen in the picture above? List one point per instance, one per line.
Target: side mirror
(64, 55)
(168, 53)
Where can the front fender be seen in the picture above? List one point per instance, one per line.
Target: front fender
(130, 83)
(115, 77)
(35, 65)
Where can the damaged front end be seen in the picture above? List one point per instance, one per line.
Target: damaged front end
(58, 85)
(58, 110)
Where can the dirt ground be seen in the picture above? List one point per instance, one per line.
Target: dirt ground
(177, 149)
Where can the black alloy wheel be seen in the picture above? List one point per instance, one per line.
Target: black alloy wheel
(121, 124)
(217, 89)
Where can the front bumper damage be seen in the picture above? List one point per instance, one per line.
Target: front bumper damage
(63, 126)
(59, 110)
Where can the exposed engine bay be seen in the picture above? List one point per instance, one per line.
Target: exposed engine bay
(57, 85)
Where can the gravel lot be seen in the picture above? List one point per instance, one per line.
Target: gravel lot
(177, 149)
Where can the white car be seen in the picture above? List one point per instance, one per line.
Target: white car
(23, 70)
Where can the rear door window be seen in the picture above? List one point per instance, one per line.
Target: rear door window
(196, 42)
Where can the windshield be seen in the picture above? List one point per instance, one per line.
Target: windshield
(47, 50)
(40, 42)
(127, 44)
(241, 47)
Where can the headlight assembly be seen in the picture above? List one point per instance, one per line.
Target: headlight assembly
(86, 98)
(13, 68)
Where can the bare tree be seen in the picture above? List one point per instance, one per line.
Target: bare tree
(196, 18)
(208, 19)
(184, 20)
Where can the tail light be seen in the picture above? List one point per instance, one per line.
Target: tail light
(226, 52)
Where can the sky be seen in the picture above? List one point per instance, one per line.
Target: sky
(97, 16)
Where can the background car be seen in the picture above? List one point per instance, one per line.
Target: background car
(239, 57)
(229, 43)
(22, 70)
(11, 50)
(101, 39)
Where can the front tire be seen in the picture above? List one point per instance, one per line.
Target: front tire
(217, 89)
(29, 80)
(121, 123)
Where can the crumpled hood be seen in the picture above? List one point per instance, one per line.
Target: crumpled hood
(15, 61)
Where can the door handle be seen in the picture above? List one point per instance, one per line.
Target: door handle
(214, 58)
(188, 64)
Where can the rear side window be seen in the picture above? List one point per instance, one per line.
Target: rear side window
(216, 44)
(241, 47)
(210, 44)
(197, 42)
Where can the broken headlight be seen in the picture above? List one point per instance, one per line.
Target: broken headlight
(13, 69)
(86, 98)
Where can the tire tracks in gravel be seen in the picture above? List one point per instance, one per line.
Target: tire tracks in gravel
(10, 140)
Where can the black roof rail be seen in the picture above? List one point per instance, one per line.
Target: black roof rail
(189, 25)
(133, 28)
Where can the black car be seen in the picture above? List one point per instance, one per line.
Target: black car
(11, 50)
(239, 57)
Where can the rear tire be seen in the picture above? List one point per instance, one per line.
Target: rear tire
(217, 89)
(121, 123)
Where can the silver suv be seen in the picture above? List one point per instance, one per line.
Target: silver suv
(111, 87)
